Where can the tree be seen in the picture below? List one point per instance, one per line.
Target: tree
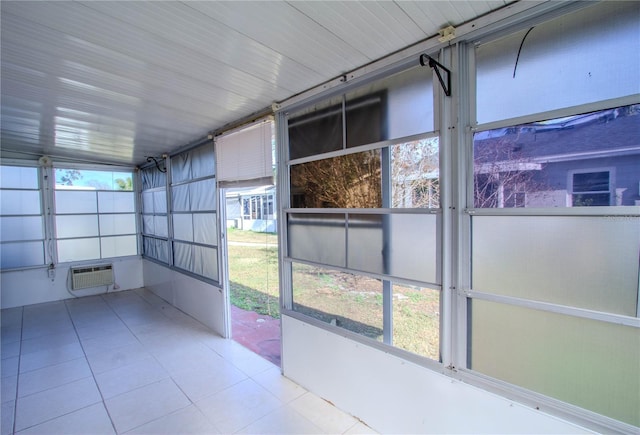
(349, 181)
(126, 184)
(415, 174)
(501, 175)
(68, 177)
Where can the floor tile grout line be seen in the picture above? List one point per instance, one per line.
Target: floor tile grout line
(89, 365)
(15, 401)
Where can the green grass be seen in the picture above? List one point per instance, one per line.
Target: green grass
(350, 301)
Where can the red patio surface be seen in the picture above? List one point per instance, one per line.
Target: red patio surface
(257, 332)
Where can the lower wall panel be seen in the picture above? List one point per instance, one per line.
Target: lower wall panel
(33, 286)
(200, 300)
(392, 395)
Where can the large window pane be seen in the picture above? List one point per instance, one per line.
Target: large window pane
(349, 181)
(519, 74)
(94, 180)
(205, 262)
(352, 302)
(590, 159)
(591, 364)
(580, 261)
(317, 237)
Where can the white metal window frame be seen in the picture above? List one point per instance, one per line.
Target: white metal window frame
(48, 249)
(465, 56)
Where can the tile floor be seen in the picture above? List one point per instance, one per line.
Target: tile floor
(128, 362)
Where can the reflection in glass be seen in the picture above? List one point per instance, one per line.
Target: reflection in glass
(590, 159)
(352, 302)
(415, 174)
(349, 181)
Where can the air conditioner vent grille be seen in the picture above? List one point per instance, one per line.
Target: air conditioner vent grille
(91, 276)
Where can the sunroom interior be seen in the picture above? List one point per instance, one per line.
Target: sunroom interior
(456, 188)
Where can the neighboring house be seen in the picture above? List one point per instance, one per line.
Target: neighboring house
(252, 209)
(584, 160)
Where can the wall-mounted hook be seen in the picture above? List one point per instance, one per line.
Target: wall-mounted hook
(425, 60)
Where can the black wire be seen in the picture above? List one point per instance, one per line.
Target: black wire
(519, 50)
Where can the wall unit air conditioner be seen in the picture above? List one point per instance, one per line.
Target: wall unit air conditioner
(91, 276)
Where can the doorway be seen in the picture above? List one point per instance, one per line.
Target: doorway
(252, 269)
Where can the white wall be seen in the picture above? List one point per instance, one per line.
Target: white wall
(33, 286)
(200, 300)
(393, 395)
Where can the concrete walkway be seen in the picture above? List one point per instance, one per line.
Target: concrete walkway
(259, 333)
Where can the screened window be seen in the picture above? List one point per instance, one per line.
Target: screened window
(94, 214)
(364, 226)
(22, 239)
(193, 212)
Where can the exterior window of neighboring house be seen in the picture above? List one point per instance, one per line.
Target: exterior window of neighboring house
(591, 188)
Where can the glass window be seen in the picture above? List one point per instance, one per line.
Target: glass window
(591, 364)
(95, 214)
(348, 181)
(374, 177)
(416, 320)
(352, 302)
(591, 159)
(519, 75)
(21, 221)
(415, 174)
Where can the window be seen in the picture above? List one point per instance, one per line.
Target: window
(363, 231)
(22, 239)
(193, 212)
(95, 214)
(590, 188)
(155, 227)
(554, 286)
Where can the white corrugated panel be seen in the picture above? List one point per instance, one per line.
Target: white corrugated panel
(115, 82)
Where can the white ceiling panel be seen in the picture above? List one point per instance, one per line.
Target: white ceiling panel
(115, 82)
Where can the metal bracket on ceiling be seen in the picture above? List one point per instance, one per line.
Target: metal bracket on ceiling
(149, 159)
(425, 60)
